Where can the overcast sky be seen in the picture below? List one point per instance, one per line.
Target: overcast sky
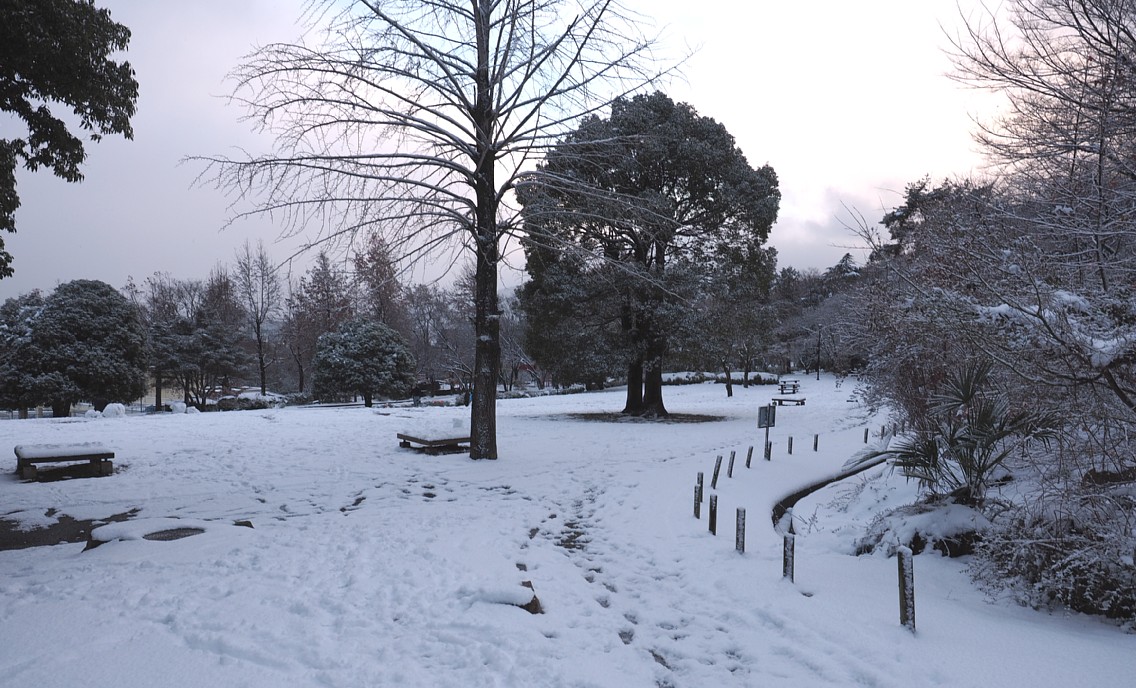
(848, 101)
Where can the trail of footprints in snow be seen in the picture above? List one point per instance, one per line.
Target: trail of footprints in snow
(574, 535)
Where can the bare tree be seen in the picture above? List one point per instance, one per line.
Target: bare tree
(418, 118)
(258, 288)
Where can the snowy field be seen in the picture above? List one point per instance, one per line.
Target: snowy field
(371, 565)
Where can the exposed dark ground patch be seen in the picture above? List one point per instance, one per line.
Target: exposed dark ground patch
(674, 418)
(66, 529)
(173, 534)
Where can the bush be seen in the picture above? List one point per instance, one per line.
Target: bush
(242, 404)
(960, 446)
(1081, 560)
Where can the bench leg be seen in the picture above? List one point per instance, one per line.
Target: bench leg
(106, 467)
(27, 472)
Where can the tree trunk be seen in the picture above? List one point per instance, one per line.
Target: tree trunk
(157, 391)
(656, 345)
(60, 409)
(653, 389)
(729, 381)
(487, 354)
(260, 360)
(634, 405)
(487, 317)
(368, 399)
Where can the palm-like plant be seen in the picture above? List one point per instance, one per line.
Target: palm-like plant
(968, 433)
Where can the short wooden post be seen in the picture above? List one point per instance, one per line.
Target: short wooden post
(713, 514)
(740, 532)
(787, 563)
(906, 588)
(697, 502)
(749, 455)
(865, 435)
(717, 468)
(790, 445)
(730, 467)
(816, 441)
(700, 486)
(768, 451)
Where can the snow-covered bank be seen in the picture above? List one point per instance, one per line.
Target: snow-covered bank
(370, 565)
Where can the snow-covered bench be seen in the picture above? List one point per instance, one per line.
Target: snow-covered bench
(796, 401)
(434, 446)
(28, 455)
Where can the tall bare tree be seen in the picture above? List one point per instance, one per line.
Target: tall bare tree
(258, 288)
(420, 116)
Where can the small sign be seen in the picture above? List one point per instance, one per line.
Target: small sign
(766, 416)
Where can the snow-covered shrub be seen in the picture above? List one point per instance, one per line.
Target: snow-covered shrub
(297, 399)
(114, 410)
(1081, 560)
(243, 404)
(177, 406)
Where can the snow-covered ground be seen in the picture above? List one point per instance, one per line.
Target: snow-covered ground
(371, 565)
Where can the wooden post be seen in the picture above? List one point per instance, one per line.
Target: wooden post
(906, 588)
(749, 455)
(790, 445)
(700, 488)
(816, 441)
(698, 501)
(740, 532)
(717, 467)
(865, 435)
(787, 563)
(730, 467)
(713, 514)
(768, 451)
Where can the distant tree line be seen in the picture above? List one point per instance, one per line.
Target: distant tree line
(341, 330)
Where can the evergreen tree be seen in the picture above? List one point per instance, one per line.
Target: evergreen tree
(318, 305)
(653, 185)
(362, 358)
(86, 342)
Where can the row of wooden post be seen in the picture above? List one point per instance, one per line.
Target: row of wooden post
(788, 566)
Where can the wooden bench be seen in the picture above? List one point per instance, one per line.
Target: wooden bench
(445, 445)
(789, 388)
(795, 401)
(28, 455)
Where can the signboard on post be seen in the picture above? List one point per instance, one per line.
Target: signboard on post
(766, 416)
